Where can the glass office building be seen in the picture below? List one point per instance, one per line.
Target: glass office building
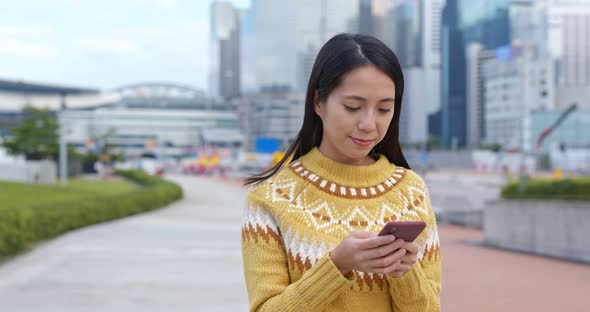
(464, 22)
(289, 34)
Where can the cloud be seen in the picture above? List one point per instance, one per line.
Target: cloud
(31, 41)
(110, 46)
(12, 47)
(7, 30)
(166, 4)
(85, 11)
(174, 51)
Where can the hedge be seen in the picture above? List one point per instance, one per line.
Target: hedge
(566, 189)
(24, 226)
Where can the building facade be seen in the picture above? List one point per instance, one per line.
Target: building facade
(224, 74)
(464, 22)
(514, 87)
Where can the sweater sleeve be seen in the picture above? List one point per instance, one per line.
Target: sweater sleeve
(419, 289)
(266, 268)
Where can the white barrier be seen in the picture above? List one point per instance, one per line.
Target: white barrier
(571, 160)
(38, 172)
(488, 161)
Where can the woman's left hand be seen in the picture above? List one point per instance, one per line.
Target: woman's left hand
(407, 260)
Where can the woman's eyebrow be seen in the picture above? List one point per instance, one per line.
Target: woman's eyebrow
(360, 98)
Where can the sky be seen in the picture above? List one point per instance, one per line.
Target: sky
(106, 44)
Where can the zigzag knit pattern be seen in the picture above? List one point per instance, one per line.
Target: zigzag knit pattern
(292, 221)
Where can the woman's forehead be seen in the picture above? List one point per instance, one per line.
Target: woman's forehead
(367, 78)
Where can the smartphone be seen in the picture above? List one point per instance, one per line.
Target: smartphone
(406, 230)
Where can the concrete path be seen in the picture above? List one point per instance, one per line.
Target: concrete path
(186, 257)
(483, 279)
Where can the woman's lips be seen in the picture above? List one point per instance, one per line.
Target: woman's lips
(361, 142)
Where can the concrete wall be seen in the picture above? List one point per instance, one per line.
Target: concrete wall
(552, 228)
(42, 172)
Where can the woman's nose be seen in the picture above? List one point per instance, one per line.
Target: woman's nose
(367, 122)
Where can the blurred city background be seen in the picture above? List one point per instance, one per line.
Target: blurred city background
(112, 108)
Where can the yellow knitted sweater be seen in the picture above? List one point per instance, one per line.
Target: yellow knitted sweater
(294, 219)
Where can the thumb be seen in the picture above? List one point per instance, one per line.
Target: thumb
(363, 234)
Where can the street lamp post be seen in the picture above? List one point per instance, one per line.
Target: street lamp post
(63, 154)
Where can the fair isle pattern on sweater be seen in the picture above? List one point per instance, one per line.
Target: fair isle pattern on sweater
(344, 191)
(294, 219)
(303, 252)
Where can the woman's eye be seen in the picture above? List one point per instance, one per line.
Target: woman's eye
(351, 109)
(384, 110)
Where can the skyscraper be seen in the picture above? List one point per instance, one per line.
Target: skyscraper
(465, 22)
(476, 92)
(224, 72)
(248, 49)
(290, 33)
(411, 28)
(366, 21)
(569, 44)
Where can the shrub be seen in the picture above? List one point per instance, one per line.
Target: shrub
(566, 189)
(20, 227)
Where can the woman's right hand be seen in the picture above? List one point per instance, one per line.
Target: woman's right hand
(366, 252)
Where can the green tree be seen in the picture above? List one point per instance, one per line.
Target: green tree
(495, 147)
(36, 137)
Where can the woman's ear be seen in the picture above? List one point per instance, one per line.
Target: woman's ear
(316, 104)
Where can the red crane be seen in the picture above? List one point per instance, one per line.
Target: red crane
(556, 124)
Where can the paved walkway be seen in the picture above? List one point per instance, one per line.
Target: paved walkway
(187, 257)
(485, 279)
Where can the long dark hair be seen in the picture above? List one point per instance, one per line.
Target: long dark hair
(340, 55)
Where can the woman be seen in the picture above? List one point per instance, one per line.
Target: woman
(308, 236)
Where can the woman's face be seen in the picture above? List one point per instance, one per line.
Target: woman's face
(356, 115)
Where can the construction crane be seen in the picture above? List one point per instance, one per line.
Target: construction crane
(556, 124)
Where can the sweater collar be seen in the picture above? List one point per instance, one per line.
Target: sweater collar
(347, 175)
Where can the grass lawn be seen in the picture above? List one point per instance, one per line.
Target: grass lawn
(13, 195)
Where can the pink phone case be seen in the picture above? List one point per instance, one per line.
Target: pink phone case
(406, 230)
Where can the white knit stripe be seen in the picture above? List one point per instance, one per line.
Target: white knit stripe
(431, 240)
(257, 216)
(304, 248)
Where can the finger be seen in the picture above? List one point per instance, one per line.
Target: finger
(362, 234)
(397, 274)
(408, 259)
(412, 247)
(387, 261)
(385, 250)
(403, 267)
(388, 249)
(376, 241)
(391, 268)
